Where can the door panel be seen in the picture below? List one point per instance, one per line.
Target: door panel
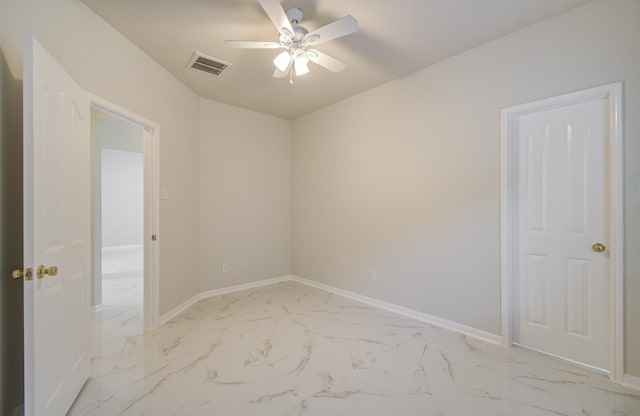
(57, 232)
(53, 137)
(538, 301)
(562, 288)
(577, 180)
(538, 186)
(578, 297)
(53, 367)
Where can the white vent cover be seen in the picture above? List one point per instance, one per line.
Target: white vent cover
(203, 63)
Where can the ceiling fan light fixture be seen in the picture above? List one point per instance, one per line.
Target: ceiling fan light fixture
(282, 61)
(301, 64)
(301, 68)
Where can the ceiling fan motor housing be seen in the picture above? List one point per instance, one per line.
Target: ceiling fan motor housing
(295, 15)
(299, 31)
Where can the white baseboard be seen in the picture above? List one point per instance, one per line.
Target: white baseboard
(400, 310)
(218, 292)
(631, 382)
(410, 313)
(123, 247)
(97, 308)
(178, 309)
(244, 286)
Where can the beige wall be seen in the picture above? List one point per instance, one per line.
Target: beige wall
(245, 195)
(105, 63)
(404, 178)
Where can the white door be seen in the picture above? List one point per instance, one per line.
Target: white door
(562, 287)
(57, 233)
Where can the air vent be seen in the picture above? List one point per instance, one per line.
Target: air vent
(204, 63)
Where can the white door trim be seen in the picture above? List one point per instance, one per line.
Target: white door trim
(508, 198)
(151, 150)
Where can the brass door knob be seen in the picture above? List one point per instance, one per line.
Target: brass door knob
(27, 274)
(51, 271)
(598, 247)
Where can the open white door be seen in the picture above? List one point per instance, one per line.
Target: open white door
(57, 233)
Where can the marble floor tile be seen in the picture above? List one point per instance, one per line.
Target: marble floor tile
(288, 349)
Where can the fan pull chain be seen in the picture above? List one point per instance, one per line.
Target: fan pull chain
(291, 76)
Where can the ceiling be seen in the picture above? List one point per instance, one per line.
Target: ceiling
(395, 38)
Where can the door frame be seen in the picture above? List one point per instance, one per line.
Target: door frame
(151, 157)
(509, 209)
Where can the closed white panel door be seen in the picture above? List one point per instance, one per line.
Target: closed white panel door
(562, 285)
(56, 163)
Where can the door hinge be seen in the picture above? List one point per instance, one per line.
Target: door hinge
(154, 237)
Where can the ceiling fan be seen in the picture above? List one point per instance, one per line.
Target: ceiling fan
(297, 41)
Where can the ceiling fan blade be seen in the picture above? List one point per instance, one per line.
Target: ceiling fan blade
(251, 44)
(276, 13)
(341, 27)
(324, 60)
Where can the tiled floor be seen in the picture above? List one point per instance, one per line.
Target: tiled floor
(122, 278)
(289, 349)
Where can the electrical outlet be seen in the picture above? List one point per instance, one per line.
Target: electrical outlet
(245, 264)
(164, 192)
(373, 277)
(225, 267)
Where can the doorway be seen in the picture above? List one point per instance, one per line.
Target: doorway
(562, 235)
(119, 214)
(125, 213)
